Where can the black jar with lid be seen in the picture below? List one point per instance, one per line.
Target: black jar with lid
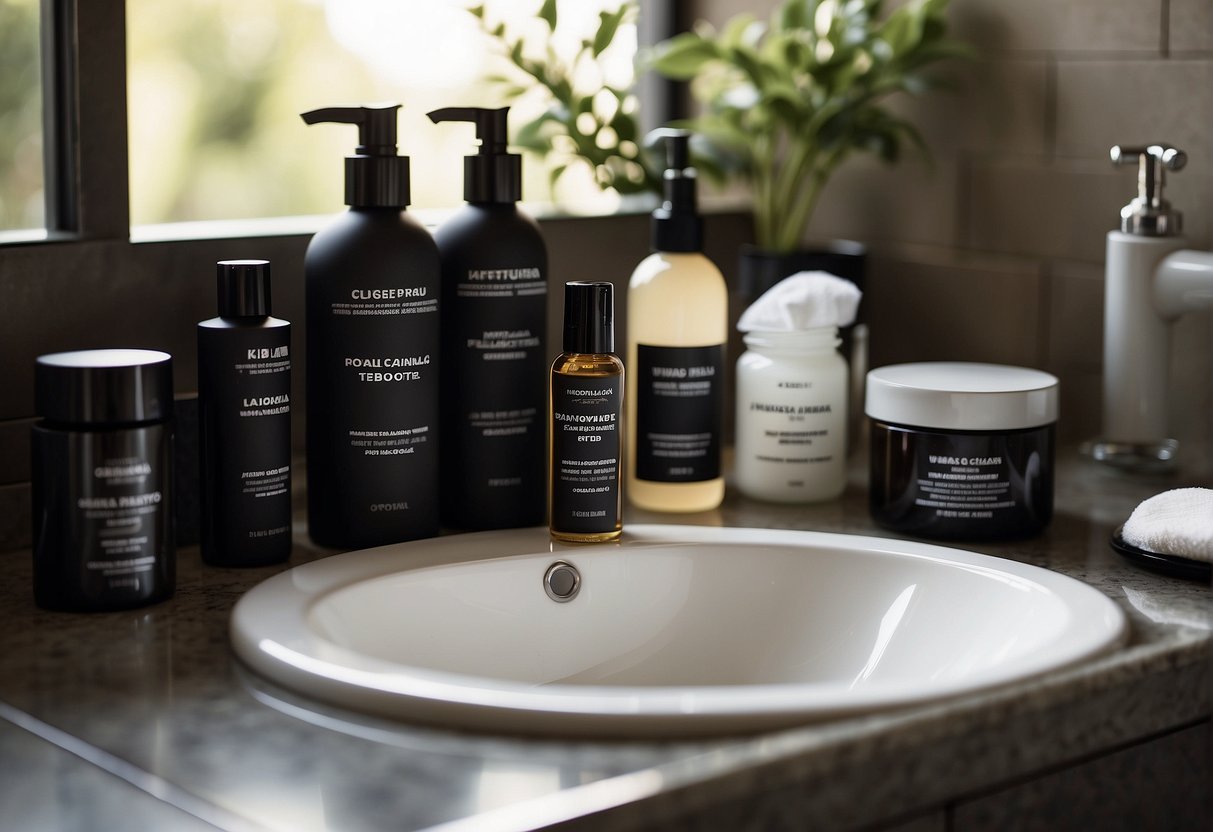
(102, 480)
(962, 451)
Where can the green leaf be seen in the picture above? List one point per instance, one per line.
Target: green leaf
(734, 31)
(683, 56)
(548, 14)
(477, 11)
(608, 25)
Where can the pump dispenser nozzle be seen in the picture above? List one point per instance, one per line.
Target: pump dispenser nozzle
(493, 174)
(1149, 214)
(375, 176)
(676, 224)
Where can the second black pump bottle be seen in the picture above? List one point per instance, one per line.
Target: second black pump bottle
(372, 352)
(494, 302)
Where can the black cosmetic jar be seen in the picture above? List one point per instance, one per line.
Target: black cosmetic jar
(962, 451)
(102, 480)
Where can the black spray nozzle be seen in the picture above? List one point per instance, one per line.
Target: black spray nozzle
(677, 147)
(376, 125)
(493, 174)
(375, 176)
(676, 225)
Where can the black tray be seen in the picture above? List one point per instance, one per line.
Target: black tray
(1173, 565)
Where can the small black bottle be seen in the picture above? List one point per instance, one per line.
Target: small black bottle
(102, 480)
(244, 415)
(494, 318)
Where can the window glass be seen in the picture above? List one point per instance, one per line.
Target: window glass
(216, 88)
(22, 204)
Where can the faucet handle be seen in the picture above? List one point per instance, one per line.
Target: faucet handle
(1149, 214)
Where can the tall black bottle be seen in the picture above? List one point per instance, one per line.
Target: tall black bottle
(372, 352)
(494, 317)
(244, 417)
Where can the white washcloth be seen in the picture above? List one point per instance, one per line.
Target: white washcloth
(806, 300)
(1177, 522)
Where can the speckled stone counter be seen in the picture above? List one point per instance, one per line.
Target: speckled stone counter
(146, 716)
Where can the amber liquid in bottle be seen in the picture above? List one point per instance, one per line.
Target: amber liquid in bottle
(585, 447)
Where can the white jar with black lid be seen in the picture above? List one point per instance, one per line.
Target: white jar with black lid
(962, 450)
(102, 479)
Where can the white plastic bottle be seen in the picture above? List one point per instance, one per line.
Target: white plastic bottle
(792, 391)
(677, 327)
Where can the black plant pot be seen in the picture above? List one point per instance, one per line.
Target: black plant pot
(759, 269)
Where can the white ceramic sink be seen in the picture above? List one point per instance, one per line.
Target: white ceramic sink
(677, 630)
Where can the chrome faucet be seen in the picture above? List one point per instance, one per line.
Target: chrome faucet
(1150, 281)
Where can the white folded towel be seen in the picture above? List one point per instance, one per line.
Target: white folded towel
(1177, 522)
(806, 300)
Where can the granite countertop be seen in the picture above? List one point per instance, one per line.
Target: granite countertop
(144, 720)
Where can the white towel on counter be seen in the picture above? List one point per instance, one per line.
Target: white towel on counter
(1177, 522)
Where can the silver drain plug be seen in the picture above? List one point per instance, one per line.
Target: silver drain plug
(562, 582)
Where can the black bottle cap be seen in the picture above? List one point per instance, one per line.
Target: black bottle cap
(98, 387)
(676, 225)
(493, 174)
(244, 288)
(589, 318)
(375, 177)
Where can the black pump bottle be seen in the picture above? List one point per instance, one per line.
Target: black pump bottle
(372, 352)
(494, 315)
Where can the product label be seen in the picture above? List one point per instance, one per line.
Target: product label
(494, 385)
(586, 415)
(103, 513)
(679, 410)
(372, 408)
(791, 431)
(964, 487)
(503, 283)
(386, 302)
(388, 443)
(244, 407)
(388, 369)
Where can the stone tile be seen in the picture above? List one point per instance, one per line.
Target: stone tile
(1000, 105)
(982, 309)
(1064, 208)
(1081, 405)
(1163, 784)
(1191, 26)
(45, 787)
(911, 202)
(1102, 103)
(1076, 298)
(1072, 26)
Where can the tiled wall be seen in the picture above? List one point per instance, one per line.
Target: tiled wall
(994, 251)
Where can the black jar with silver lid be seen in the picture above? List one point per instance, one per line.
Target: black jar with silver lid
(102, 479)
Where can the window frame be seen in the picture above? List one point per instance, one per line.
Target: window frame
(85, 283)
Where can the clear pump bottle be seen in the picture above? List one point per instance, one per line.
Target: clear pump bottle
(677, 330)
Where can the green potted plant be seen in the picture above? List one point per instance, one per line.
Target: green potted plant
(785, 103)
(587, 120)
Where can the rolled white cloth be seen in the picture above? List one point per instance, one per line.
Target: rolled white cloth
(805, 300)
(1177, 522)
